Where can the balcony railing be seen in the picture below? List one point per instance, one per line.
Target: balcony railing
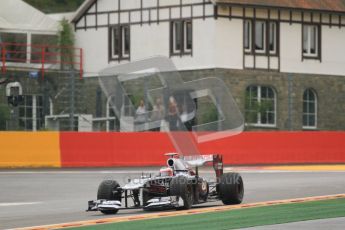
(42, 57)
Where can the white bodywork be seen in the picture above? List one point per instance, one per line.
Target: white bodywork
(197, 160)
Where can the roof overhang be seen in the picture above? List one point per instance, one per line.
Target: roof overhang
(82, 9)
(324, 6)
(17, 15)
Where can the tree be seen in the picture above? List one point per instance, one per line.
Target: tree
(4, 116)
(66, 42)
(55, 6)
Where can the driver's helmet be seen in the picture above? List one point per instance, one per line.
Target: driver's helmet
(166, 171)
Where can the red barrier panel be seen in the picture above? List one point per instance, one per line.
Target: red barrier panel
(113, 149)
(280, 148)
(145, 149)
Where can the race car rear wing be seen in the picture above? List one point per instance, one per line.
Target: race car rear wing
(199, 160)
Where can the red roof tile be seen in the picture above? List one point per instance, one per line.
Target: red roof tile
(319, 5)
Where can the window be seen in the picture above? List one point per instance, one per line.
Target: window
(309, 109)
(265, 34)
(15, 52)
(188, 37)
(311, 43)
(119, 43)
(260, 31)
(181, 37)
(272, 42)
(260, 106)
(31, 112)
(247, 35)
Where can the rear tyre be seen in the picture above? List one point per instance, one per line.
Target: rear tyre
(107, 191)
(181, 187)
(231, 189)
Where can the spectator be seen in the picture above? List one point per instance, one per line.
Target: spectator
(157, 115)
(172, 114)
(140, 115)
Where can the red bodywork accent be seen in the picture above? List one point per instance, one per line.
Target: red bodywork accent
(157, 189)
(218, 165)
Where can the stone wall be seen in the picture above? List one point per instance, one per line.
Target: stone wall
(330, 92)
(89, 99)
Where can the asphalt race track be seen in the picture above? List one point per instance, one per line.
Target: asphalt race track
(39, 197)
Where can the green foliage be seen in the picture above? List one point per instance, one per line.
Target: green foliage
(66, 41)
(66, 35)
(135, 99)
(207, 112)
(4, 116)
(55, 6)
(253, 108)
(209, 115)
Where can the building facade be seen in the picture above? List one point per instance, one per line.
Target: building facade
(282, 61)
(24, 33)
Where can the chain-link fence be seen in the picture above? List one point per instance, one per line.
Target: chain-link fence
(142, 96)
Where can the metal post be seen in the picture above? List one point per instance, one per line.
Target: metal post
(3, 55)
(126, 202)
(290, 102)
(29, 49)
(218, 106)
(146, 78)
(46, 105)
(81, 64)
(71, 99)
(34, 113)
(42, 60)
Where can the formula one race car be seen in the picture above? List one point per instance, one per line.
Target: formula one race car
(177, 186)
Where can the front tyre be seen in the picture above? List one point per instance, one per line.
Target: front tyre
(108, 190)
(181, 187)
(231, 189)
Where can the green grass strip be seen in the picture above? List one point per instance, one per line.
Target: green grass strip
(240, 218)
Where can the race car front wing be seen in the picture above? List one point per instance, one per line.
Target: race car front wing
(156, 203)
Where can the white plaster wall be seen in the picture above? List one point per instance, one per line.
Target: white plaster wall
(95, 47)
(333, 50)
(149, 40)
(228, 43)
(204, 52)
(216, 44)
(106, 5)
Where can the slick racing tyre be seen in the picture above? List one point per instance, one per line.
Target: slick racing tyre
(181, 187)
(106, 191)
(231, 188)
